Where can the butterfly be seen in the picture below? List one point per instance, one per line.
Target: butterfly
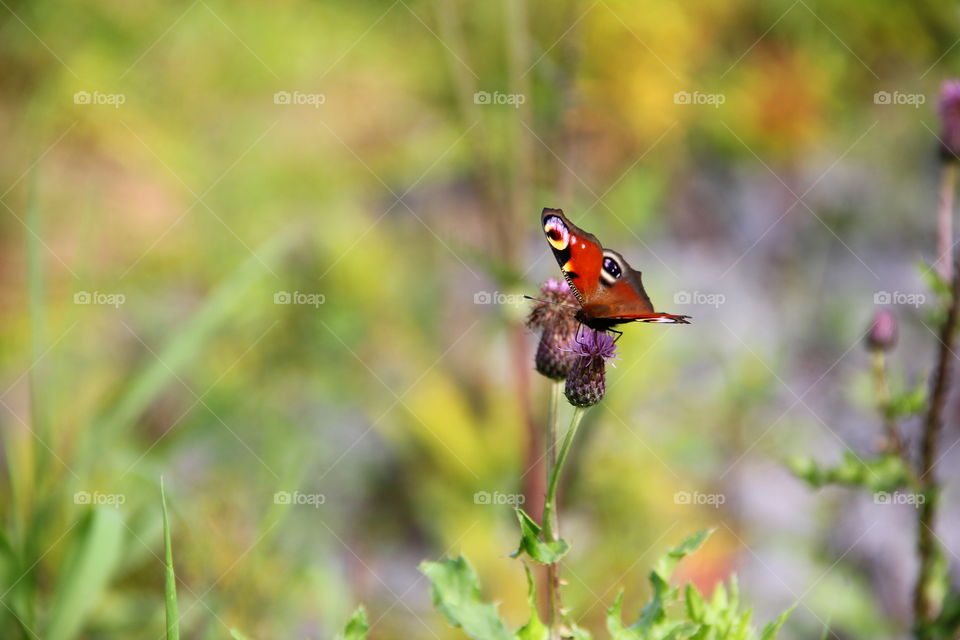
(609, 290)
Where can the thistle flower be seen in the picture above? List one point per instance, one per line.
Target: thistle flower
(950, 120)
(555, 316)
(883, 331)
(587, 382)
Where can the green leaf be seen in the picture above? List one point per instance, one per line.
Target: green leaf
(934, 281)
(681, 630)
(534, 629)
(357, 627)
(772, 628)
(236, 635)
(655, 611)
(532, 543)
(615, 621)
(662, 619)
(169, 577)
(908, 403)
(666, 565)
(696, 607)
(886, 473)
(98, 549)
(456, 594)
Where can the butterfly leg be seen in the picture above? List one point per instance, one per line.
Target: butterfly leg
(619, 333)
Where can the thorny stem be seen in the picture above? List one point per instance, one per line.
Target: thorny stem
(945, 222)
(551, 526)
(924, 607)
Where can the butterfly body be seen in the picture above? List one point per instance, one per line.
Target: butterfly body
(609, 290)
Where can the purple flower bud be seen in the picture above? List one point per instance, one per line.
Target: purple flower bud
(587, 382)
(883, 332)
(555, 316)
(950, 120)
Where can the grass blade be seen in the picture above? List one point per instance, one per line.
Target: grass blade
(170, 578)
(91, 563)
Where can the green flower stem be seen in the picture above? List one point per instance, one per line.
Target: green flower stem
(550, 524)
(549, 506)
(553, 436)
(893, 441)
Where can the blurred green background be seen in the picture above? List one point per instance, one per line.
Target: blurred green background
(273, 253)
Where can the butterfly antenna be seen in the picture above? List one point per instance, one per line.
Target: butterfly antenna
(559, 304)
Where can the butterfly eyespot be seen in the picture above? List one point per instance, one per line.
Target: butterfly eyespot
(611, 271)
(557, 233)
(611, 267)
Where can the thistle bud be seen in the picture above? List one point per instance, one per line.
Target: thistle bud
(587, 382)
(950, 120)
(883, 331)
(555, 316)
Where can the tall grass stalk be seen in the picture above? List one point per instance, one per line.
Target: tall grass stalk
(170, 578)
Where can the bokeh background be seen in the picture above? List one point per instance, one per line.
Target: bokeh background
(279, 248)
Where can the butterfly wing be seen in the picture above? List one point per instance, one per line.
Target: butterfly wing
(610, 291)
(578, 253)
(625, 299)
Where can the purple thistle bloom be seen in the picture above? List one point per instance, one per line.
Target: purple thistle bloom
(587, 382)
(555, 316)
(950, 120)
(594, 344)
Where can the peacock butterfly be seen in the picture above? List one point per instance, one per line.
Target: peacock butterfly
(609, 290)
